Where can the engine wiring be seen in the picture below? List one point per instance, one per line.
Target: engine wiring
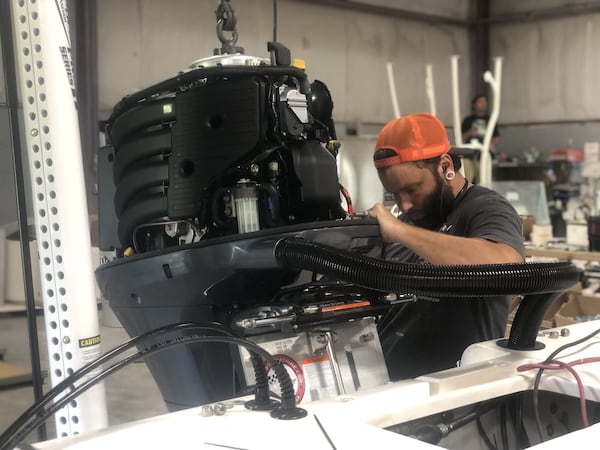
(432, 432)
(547, 364)
(504, 410)
(36, 415)
(558, 365)
(516, 409)
(348, 198)
(550, 363)
(197, 232)
(486, 439)
(58, 389)
(83, 387)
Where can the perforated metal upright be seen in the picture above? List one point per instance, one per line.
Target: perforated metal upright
(46, 78)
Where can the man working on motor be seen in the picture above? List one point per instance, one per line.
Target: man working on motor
(445, 221)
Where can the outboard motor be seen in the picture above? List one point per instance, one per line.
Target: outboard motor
(202, 173)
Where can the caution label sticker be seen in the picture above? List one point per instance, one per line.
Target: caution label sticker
(88, 342)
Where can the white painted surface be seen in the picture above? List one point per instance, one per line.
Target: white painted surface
(356, 421)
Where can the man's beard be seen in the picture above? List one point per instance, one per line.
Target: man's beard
(436, 206)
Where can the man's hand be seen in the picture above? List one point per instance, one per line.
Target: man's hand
(388, 223)
(440, 248)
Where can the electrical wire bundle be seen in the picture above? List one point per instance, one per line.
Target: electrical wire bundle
(550, 363)
(348, 199)
(37, 414)
(434, 432)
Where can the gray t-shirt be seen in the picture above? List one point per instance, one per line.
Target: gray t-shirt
(431, 335)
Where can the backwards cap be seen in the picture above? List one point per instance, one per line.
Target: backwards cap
(412, 138)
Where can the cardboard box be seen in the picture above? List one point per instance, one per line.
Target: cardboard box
(571, 307)
(548, 321)
(579, 307)
(12, 375)
(560, 302)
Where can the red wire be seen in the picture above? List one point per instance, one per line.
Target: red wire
(346, 195)
(585, 360)
(557, 365)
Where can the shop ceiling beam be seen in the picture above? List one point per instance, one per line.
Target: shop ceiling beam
(551, 122)
(559, 12)
(396, 13)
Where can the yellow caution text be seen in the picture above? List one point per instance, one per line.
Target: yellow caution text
(88, 342)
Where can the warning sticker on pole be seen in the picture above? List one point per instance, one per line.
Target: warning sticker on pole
(88, 342)
(89, 349)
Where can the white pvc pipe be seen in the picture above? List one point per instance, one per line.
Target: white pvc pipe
(485, 164)
(429, 89)
(47, 81)
(456, 101)
(392, 86)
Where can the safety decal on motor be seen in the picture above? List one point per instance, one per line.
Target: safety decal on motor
(319, 377)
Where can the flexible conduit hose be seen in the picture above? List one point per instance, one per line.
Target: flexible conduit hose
(442, 281)
(262, 396)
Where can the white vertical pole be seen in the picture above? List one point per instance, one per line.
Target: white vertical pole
(429, 89)
(392, 86)
(456, 101)
(495, 80)
(46, 79)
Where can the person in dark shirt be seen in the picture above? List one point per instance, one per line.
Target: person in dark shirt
(445, 220)
(474, 125)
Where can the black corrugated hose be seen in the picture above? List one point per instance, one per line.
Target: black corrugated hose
(426, 279)
(441, 281)
(262, 395)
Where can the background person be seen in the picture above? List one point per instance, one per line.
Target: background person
(474, 127)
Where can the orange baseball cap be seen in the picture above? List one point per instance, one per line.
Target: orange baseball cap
(414, 137)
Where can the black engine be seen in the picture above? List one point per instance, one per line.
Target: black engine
(218, 150)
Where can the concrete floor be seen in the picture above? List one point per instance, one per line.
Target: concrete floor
(131, 393)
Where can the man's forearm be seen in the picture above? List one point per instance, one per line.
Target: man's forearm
(443, 249)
